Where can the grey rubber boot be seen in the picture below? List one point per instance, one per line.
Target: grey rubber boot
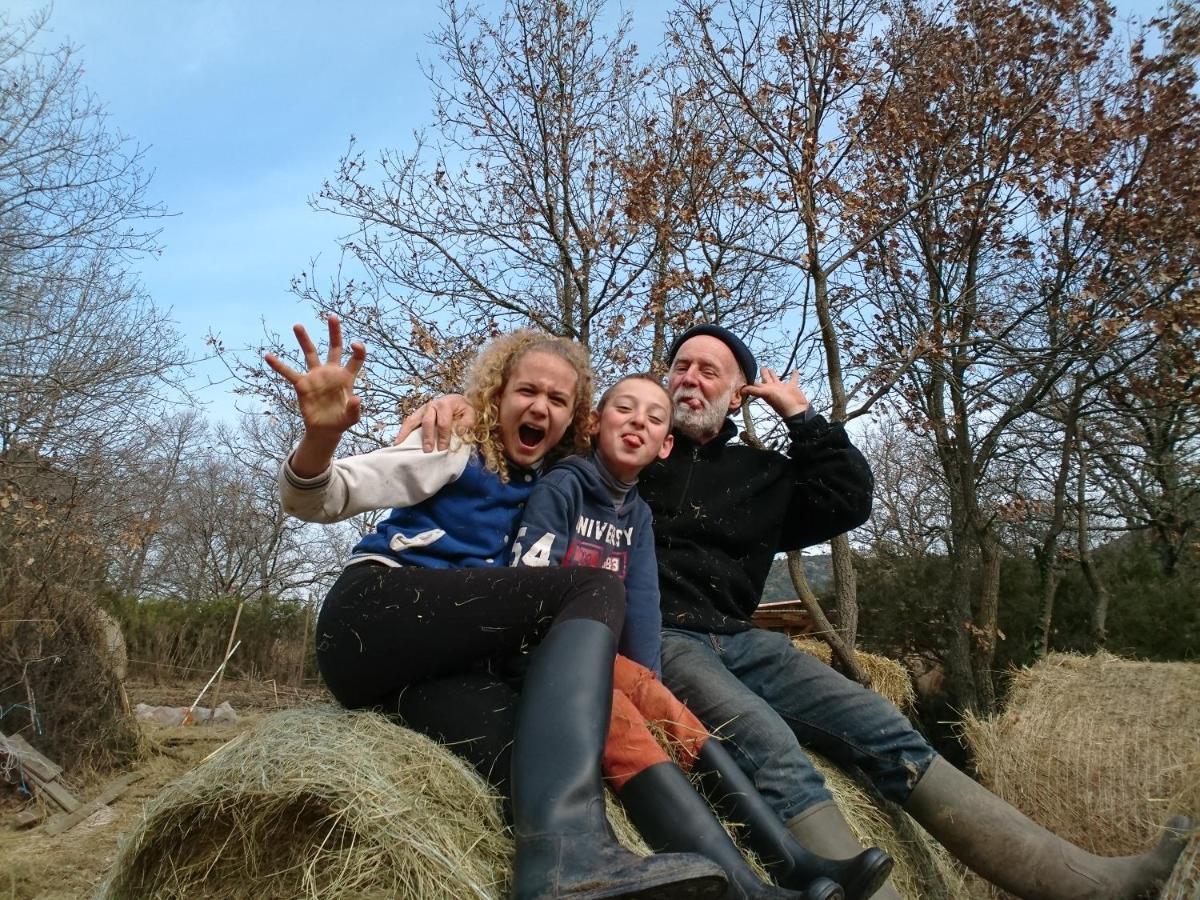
(1015, 853)
(564, 846)
(670, 815)
(791, 862)
(824, 831)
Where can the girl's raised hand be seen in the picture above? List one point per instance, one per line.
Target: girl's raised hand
(326, 390)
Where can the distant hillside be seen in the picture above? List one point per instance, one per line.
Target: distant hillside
(818, 568)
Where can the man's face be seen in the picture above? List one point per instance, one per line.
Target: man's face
(704, 383)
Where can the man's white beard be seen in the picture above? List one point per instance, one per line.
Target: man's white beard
(705, 422)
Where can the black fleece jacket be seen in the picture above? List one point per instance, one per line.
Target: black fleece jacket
(722, 511)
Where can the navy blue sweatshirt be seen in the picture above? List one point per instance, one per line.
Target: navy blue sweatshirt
(570, 520)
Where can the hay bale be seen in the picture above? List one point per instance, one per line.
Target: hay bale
(319, 803)
(1096, 748)
(60, 681)
(888, 677)
(326, 803)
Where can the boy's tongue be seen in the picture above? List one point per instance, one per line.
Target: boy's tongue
(530, 436)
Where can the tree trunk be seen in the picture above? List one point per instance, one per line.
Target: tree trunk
(960, 676)
(1100, 595)
(987, 621)
(1050, 576)
(845, 585)
(844, 658)
(658, 304)
(844, 581)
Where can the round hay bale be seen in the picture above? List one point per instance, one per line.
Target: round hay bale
(319, 803)
(326, 803)
(1096, 748)
(61, 684)
(888, 677)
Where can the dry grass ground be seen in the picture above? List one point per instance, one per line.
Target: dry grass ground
(37, 866)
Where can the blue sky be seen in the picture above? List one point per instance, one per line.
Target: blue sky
(244, 108)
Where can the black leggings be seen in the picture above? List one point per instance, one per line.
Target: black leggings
(418, 643)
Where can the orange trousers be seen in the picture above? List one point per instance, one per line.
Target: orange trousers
(639, 700)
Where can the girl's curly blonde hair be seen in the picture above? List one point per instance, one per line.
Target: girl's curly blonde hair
(491, 370)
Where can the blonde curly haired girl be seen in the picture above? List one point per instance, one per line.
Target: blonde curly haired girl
(491, 370)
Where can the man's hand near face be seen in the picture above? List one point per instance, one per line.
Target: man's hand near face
(783, 395)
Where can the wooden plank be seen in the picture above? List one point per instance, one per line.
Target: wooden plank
(30, 760)
(789, 621)
(40, 772)
(64, 821)
(56, 792)
(27, 817)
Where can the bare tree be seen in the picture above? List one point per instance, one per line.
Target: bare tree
(86, 360)
(512, 210)
(908, 515)
(1145, 446)
(223, 532)
(562, 184)
(70, 186)
(86, 369)
(798, 87)
(1053, 262)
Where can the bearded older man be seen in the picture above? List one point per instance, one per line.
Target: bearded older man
(722, 510)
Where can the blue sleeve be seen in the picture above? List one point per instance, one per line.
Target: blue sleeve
(545, 528)
(641, 638)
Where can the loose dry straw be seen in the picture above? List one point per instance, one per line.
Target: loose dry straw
(888, 677)
(327, 803)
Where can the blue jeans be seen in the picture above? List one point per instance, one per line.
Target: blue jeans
(767, 699)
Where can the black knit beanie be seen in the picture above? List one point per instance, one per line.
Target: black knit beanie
(745, 359)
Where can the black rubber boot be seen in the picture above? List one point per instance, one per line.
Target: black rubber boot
(790, 863)
(564, 846)
(1013, 852)
(670, 815)
(823, 830)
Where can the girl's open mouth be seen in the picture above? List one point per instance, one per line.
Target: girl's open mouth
(530, 436)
